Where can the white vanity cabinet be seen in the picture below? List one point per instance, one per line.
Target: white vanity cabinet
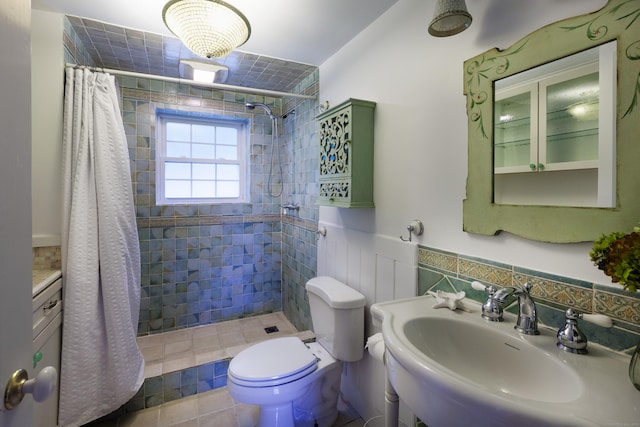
(47, 341)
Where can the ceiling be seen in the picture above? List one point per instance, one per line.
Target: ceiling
(289, 38)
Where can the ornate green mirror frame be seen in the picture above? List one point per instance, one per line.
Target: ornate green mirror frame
(619, 19)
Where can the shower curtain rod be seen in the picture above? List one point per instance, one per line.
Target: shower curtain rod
(221, 86)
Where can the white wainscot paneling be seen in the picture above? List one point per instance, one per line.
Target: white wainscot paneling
(382, 268)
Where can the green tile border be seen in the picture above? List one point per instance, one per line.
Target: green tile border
(444, 270)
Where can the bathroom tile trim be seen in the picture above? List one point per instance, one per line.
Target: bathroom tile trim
(450, 271)
(225, 219)
(176, 385)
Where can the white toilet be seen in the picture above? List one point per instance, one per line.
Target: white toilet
(297, 384)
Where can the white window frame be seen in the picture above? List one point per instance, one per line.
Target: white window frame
(241, 125)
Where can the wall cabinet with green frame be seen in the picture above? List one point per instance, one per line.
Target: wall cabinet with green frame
(346, 155)
(544, 221)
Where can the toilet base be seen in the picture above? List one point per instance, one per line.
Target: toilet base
(306, 402)
(276, 416)
(318, 405)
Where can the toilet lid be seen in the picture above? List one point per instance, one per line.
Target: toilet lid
(272, 362)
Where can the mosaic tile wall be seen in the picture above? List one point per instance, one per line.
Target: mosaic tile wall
(299, 256)
(209, 263)
(46, 258)
(74, 50)
(202, 263)
(179, 384)
(553, 294)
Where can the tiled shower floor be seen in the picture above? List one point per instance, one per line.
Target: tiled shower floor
(177, 350)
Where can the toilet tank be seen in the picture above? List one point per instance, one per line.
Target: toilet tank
(337, 314)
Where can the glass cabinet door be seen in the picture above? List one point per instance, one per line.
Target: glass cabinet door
(569, 108)
(515, 129)
(554, 130)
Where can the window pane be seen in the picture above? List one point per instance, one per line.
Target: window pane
(204, 189)
(229, 172)
(203, 151)
(227, 136)
(226, 152)
(200, 159)
(204, 133)
(204, 171)
(178, 149)
(178, 131)
(177, 189)
(228, 189)
(174, 170)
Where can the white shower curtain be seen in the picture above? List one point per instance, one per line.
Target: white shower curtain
(102, 367)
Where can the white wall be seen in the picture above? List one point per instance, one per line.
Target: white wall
(47, 85)
(421, 125)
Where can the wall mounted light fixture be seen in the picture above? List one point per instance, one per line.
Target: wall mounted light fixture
(449, 17)
(209, 28)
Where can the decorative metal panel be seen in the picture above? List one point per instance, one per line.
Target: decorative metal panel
(335, 190)
(335, 138)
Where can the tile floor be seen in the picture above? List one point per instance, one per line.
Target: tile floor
(213, 408)
(184, 348)
(176, 350)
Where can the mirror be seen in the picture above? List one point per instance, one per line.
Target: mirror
(517, 180)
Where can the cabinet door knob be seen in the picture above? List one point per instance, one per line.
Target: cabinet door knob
(540, 166)
(532, 166)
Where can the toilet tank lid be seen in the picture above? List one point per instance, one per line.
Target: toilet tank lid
(336, 294)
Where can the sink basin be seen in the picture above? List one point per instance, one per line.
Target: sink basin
(453, 368)
(493, 359)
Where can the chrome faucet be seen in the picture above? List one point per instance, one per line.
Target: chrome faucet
(493, 308)
(570, 336)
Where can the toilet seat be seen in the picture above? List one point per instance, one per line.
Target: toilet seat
(272, 362)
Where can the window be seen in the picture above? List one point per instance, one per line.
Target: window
(200, 159)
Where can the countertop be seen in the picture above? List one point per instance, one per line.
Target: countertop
(42, 278)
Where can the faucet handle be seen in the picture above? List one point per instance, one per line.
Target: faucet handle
(491, 309)
(597, 319)
(480, 287)
(570, 336)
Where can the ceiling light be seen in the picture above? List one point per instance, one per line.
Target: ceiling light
(209, 28)
(449, 17)
(201, 71)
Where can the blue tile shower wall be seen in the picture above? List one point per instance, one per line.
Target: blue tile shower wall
(203, 264)
(299, 245)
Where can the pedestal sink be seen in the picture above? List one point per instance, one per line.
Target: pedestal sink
(453, 368)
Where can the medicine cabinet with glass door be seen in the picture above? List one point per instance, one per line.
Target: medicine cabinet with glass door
(553, 139)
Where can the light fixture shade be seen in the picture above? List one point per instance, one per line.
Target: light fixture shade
(203, 71)
(449, 17)
(209, 28)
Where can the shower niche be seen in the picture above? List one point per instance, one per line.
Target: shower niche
(346, 155)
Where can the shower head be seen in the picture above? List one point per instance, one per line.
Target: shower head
(253, 105)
